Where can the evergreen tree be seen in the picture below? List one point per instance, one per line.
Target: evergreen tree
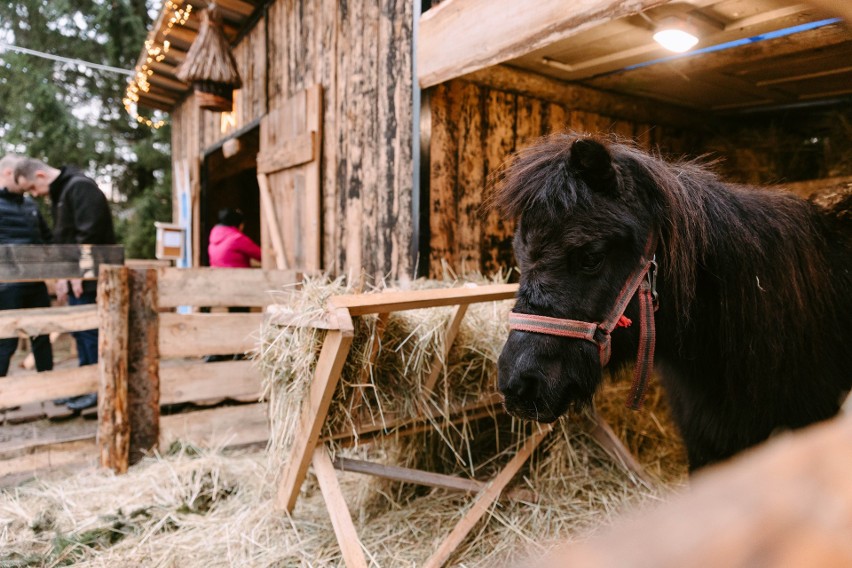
(72, 114)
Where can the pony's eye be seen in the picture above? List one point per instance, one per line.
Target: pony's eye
(591, 261)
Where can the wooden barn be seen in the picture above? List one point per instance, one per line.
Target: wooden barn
(364, 133)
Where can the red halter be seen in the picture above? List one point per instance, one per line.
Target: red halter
(643, 279)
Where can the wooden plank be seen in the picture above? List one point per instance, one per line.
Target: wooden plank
(270, 218)
(312, 415)
(113, 419)
(194, 335)
(52, 455)
(24, 389)
(485, 499)
(143, 364)
(226, 426)
(461, 36)
(197, 381)
(41, 262)
(443, 178)
(216, 287)
(290, 153)
(420, 477)
(344, 529)
(394, 301)
(500, 142)
(311, 229)
(24, 413)
(43, 321)
(471, 179)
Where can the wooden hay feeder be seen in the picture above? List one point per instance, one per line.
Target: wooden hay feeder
(210, 66)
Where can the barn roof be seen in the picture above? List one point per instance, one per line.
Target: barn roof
(751, 54)
(178, 24)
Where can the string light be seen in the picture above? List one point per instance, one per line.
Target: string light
(154, 53)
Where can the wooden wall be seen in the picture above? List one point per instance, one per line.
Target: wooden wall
(476, 126)
(360, 52)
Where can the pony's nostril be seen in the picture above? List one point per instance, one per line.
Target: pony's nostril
(523, 385)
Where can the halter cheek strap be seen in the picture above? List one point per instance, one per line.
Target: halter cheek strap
(642, 283)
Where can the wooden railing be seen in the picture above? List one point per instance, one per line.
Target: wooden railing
(149, 356)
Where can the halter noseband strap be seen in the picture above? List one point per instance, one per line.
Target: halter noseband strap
(642, 282)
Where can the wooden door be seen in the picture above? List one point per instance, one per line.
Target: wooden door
(288, 172)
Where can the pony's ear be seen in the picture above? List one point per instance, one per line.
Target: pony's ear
(593, 162)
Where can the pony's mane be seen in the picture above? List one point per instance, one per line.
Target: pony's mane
(764, 251)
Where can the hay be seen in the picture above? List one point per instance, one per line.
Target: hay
(194, 508)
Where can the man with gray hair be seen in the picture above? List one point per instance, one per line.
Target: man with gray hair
(81, 215)
(21, 223)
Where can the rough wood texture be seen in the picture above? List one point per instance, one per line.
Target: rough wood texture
(113, 420)
(42, 262)
(41, 321)
(194, 335)
(787, 503)
(18, 390)
(476, 126)
(219, 287)
(196, 381)
(487, 32)
(143, 364)
(227, 426)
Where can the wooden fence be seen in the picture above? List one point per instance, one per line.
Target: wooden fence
(149, 356)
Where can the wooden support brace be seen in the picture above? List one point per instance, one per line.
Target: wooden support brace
(314, 409)
(485, 499)
(450, 336)
(612, 445)
(271, 217)
(427, 478)
(341, 520)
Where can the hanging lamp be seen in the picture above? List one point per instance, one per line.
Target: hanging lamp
(210, 66)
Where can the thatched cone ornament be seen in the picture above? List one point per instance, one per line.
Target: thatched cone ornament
(210, 65)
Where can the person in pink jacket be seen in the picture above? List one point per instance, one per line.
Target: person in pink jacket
(228, 246)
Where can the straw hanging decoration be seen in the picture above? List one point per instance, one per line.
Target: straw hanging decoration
(210, 65)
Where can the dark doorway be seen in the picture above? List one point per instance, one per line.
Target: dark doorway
(229, 179)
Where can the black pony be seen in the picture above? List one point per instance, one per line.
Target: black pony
(753, 292)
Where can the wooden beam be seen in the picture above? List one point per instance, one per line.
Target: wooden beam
(291, 152)
(52, 455)
(394, 301)
(194, 335)
(578, 97)
(313, 413)
(197, 381)
(226, 426)
(18, 390)
(341, 520)
(143, 364)
(419, 477)
(41, 262)
(113, 420)
(41, 321)
(219, 287)
(485, 499)
(457, 37)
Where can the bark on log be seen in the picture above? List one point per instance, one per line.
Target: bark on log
(143, 364)
(113, 424)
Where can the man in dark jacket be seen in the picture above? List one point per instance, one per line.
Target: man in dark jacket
(21, 223)
(81, 215)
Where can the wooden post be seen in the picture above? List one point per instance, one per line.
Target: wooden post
(113, 425)
(143, 363)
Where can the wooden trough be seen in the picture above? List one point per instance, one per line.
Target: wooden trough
(311, 441)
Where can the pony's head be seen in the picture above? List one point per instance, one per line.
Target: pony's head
(584, 217)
